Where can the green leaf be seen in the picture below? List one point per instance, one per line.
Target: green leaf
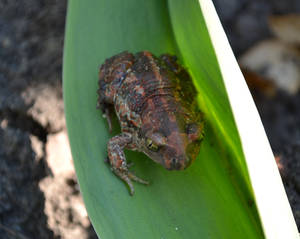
(211, 199)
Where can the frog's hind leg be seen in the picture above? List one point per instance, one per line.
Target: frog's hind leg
(117, 160)
(111, 75)
(107, 111)
(187, 88)
(171, 62)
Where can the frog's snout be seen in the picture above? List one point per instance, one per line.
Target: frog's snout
(180, 163)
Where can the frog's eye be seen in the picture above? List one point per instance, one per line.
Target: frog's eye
(194, 131)
(151, 145)
(192, 128)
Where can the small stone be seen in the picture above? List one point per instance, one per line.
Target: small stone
(64, 208)
(58, 154)
(276, 61)
(286, 28)
(47, 106)
(37, 147)
(3, 123)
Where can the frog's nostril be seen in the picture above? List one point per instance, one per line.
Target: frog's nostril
(175, 164)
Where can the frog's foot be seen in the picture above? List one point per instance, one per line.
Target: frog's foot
(127, 177)
(137, 179)
(117, 160)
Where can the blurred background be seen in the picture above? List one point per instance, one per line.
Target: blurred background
(39, 194)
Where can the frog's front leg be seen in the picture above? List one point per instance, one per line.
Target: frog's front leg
(117, 160)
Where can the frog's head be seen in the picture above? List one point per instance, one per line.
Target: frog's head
(172, 141)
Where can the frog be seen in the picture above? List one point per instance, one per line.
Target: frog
(154, 99)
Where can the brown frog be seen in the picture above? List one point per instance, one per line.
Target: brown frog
(155, 101)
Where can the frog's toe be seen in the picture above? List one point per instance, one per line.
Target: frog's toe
(126, 178)
(137, 179)
(130, 185)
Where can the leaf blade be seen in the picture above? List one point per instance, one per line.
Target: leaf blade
(271, 199)
(182, 204)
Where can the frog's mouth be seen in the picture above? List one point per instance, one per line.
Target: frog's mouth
(180, 163)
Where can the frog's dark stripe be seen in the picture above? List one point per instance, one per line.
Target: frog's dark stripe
(144, 83)
(167, 102)
(142, 106)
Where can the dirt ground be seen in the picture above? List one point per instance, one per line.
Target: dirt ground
(39, 194)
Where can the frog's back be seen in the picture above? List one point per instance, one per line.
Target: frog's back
(151, 80)
(141, 84)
